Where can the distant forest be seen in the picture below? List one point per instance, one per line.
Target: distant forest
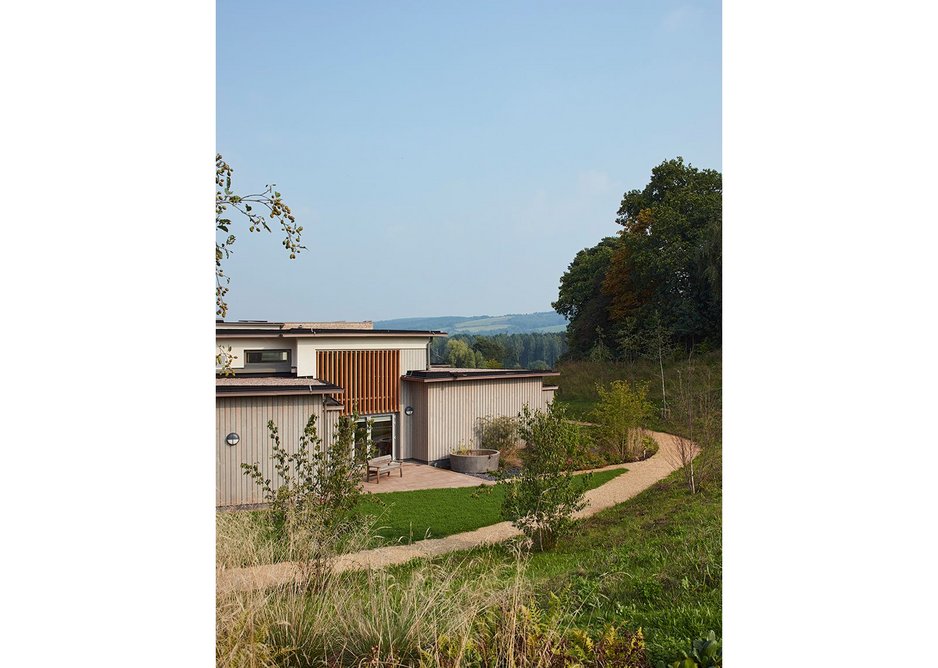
(500, 351)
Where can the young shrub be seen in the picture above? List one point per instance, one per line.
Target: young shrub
(499, 433)
(318, 487)
(705, 653)
(542, 498)
(622, 412)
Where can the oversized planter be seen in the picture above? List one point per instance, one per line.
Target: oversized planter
(474, 461)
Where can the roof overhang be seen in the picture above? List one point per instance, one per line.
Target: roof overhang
(248, 389)
(455, 376)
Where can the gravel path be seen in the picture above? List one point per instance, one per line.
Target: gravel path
(640, 476)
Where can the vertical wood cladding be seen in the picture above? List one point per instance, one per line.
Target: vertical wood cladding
(248, 417)
(370, 378)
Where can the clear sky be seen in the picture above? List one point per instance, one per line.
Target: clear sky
(451, 158)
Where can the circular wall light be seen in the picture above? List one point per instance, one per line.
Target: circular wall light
(232, 439)
(409, 410)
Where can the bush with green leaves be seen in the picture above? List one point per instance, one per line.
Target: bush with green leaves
(705, 653)
(542, 498)
(316, 489)
(622, 412)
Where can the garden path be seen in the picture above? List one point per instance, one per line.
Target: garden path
(640, 476)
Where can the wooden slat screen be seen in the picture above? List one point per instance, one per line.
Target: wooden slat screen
(370, 378)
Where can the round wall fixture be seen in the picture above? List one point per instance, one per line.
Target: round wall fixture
(409, 410)
(232, 439)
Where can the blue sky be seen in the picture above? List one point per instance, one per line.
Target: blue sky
(450, 158)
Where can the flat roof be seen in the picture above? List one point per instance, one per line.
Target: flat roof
(246, 386)
(443, 375)
(300, 332)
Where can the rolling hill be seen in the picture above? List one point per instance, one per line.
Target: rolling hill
(513, 323)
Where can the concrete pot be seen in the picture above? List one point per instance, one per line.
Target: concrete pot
(474, 461)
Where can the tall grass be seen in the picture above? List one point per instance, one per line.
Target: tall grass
(579, 379)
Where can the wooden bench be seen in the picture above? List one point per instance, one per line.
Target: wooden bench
(380, 465)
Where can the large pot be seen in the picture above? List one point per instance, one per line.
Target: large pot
(474, 461)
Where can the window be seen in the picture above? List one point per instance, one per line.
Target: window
(268, 358)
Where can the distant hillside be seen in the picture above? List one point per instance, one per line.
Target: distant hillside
(513, 323)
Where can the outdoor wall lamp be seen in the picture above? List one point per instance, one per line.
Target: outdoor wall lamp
(232, 439)
(409, 410)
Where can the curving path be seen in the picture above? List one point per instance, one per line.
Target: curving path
(640, 476)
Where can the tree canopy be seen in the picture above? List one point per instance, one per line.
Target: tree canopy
(660, 277)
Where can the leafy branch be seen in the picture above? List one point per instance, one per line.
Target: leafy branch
(261, 210)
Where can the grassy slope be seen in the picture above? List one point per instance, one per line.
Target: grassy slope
(434, 513)
(653, 562)
(660, 566)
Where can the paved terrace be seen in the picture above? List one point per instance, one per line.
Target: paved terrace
(421, 476)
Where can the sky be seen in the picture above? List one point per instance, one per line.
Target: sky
(450, 158)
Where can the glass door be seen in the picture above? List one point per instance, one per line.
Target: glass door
(381, 431)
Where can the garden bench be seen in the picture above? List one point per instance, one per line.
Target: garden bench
(380, 465)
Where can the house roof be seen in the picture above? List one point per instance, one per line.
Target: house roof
(303, 332)
(436, 375)
(271, 385)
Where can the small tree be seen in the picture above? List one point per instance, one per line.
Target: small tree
(318, 486)
(697, 424)
(541, 500)
(622, 412)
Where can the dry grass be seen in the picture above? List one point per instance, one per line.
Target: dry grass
(423, 616)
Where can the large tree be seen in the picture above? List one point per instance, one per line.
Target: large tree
(581, 299)
(668, 267)
(660, 278)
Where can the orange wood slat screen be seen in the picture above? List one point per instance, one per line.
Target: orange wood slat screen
(370, 378)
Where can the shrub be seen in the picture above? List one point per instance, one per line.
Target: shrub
(499, 433)
(317, 488)
(622, 412)
(541, 500)
(705, 653)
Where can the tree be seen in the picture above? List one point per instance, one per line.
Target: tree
(258, 208)
(622, 412)
(541, 500)
(581, 299)
(489, 347)
(659, 280)
(461, 355)
(669, 260)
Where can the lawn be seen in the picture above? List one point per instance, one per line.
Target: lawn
(433, 513)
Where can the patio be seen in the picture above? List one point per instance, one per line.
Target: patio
(421, 476)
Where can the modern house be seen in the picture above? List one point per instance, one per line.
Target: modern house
(287, 371)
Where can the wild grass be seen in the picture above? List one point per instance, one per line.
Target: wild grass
(578, 381)
(376, 618)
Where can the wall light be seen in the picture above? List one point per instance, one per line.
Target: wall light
(409, 410)
(232, 439)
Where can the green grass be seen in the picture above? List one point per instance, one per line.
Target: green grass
(433, 513)
(659, 566)
(653, 562)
